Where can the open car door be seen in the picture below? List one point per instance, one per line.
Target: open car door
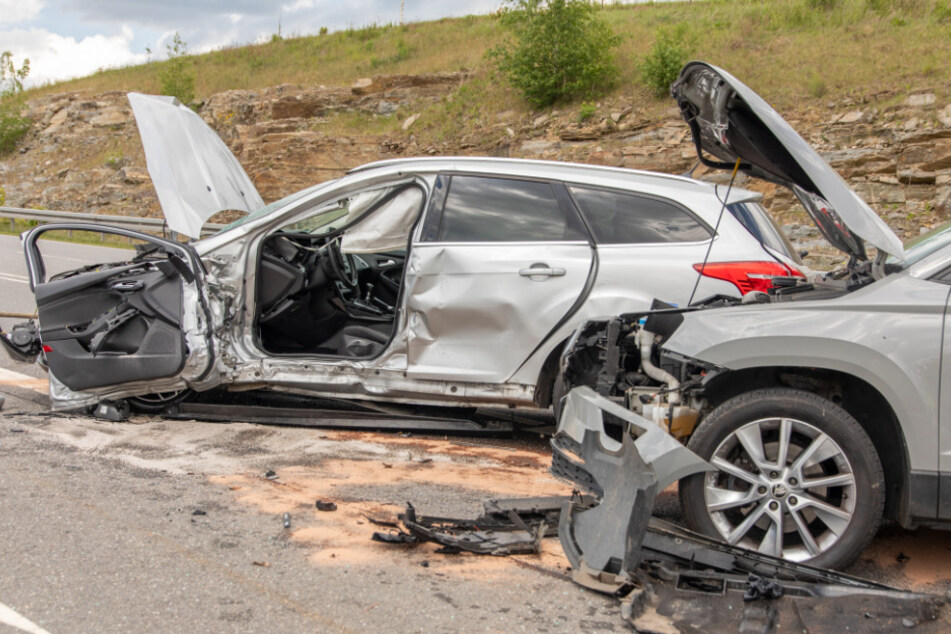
(138, 325)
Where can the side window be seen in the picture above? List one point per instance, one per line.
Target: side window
(482, 209)
(618, 218)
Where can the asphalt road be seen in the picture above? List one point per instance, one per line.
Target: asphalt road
(156, 525)
(15, 295)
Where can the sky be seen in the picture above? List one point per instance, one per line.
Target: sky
(72, 38)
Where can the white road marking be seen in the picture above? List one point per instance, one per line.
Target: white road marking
(10, 277)
(13, 619)
(9, 377)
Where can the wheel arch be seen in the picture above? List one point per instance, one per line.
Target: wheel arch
(544, 387)
(859, 398)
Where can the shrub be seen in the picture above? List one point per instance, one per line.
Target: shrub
(558, 49)
(586, 111)
(665, 59)
(177, 77)
(13, 125)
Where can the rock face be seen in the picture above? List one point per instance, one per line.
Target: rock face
(84, 153)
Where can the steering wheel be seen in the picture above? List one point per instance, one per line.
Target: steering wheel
(338, 265)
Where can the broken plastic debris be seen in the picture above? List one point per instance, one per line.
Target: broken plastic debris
(287, 520)
(762, 588)
(262, 564)
(112, 411)
(324, 505)
(395, 536)
(199, 512)
(270, 474)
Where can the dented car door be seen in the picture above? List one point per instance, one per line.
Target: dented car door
(498, 265)
(106, 326)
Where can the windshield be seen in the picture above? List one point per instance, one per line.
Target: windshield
(919, 248)
(274, 206)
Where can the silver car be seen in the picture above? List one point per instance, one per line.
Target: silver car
(446, 281)
(824, 405)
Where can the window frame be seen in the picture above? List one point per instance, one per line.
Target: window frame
(711, 234)
(432, 224)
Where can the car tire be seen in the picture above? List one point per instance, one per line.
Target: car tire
(157, 403)
(822, 508)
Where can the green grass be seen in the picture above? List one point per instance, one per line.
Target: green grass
(786, 49)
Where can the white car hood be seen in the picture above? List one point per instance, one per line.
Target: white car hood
(730, 121)
(194, 173)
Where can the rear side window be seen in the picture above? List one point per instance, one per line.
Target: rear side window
(480, 209)
(619, 218)
(761, 224)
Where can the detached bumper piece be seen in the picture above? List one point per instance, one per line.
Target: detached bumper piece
(625, 460)
(507, 527)
(671, 580)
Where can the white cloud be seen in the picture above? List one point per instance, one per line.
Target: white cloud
(54, 57)
(14, 11)
(297, 5)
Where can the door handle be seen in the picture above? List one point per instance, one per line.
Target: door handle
(126, 286)
(538, 272)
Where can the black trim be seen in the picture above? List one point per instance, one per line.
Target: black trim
(923, 494)
(433, 216)
(944, 496)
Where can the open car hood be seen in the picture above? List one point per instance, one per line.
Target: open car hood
(194, 173)
(729, 121)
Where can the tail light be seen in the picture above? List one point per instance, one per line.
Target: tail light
(747, 276)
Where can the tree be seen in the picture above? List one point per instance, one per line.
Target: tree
(177, 76)
(13, 125)
(558, 49)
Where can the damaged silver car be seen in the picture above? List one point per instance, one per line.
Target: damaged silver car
(822, 405)
(446, 281)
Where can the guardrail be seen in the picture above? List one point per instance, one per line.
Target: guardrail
(153, 225)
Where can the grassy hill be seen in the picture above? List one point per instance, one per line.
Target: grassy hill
(789, 50)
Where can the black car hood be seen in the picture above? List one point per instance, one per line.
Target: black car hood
(729, 121)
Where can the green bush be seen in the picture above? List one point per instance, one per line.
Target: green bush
(663, 63)
(13, 125)
(558, 49)
(177, 77)
(586, 111)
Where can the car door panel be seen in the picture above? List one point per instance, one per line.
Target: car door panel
(473, 315)
(114, 324)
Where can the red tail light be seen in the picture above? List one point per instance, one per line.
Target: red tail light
(46, 348)
(747, 276)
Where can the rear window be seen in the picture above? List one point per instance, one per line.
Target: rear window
(761, 224)
(481, 209)
(619, 218)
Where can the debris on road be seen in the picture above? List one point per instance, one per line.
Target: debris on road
(287, 520)
(325, 505)
(670, 579)
(262, 564)
(506, 527)
(199, 512)
(113, 411)
(270, 475)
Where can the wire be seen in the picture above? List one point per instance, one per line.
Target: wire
(716, 231)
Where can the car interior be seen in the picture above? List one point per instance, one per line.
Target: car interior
(330, 284)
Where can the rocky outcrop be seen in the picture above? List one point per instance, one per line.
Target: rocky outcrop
(84, 153)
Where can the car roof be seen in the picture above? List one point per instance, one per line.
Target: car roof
(625, 178)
